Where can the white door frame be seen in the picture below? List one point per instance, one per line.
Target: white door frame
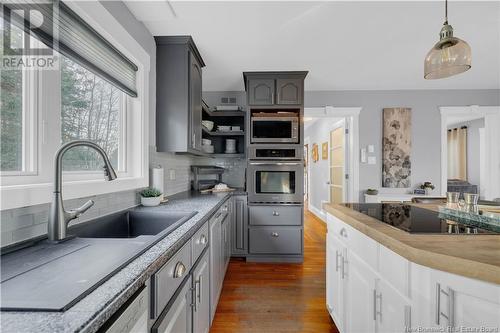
(351, 116)
(307, 142)
(491, 161)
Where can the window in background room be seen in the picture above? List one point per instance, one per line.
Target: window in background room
(91, 109)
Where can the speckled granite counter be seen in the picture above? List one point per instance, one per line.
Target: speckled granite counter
(96, 308)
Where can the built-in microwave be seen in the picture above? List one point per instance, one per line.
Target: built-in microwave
(274, 128)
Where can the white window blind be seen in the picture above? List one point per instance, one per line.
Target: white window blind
(60, 28)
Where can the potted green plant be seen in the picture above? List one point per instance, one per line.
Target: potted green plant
(428, 187)
(371, 191)
(150, 197)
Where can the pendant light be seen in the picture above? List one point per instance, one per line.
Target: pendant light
(450, 56)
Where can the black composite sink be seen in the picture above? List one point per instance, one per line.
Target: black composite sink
(129, 224)
(53, 277)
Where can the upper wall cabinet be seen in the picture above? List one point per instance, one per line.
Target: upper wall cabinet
(274, 88)
(178, 95)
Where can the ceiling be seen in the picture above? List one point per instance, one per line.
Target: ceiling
(344, 45)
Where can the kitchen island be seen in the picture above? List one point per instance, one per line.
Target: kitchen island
(383, 279)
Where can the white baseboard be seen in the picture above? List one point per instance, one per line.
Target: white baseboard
(318, 212)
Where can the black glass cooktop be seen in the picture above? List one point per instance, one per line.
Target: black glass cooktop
(415, 220)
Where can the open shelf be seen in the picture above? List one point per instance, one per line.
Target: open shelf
(228, 133)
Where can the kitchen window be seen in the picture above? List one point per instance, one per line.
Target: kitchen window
(100, 96)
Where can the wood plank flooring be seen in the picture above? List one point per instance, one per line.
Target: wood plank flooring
(263, 297)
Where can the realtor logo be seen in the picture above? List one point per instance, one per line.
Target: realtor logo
(28, 35)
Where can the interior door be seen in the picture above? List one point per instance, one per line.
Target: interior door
(306, 175)
(337, 180)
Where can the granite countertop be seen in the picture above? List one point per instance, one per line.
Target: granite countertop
(474, 256)
(97, 307)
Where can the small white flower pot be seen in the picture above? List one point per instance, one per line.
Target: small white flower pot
(150, 202)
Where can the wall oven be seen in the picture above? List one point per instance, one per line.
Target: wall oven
(275, 182)
(274, 128)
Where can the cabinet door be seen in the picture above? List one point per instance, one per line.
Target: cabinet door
(392, 308)
(463, 302)
(201, 297)
(195, 102)
(289, 91)
(226, 241)
(239, 228)
(334, 281)
(178, 318)
(215, 264)
(360, 295)
(261, 91)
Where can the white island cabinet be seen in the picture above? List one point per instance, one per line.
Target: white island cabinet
(373, 289)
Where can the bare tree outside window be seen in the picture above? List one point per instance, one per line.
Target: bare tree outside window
(91, 108)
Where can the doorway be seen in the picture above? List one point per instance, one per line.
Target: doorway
(331, 136)
(469, 156)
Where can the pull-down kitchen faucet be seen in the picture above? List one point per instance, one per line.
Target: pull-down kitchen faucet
(59, 217)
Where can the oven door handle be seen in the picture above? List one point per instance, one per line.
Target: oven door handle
(277, 163)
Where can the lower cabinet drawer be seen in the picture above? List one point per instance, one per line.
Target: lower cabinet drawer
(200, 242)
(169, 278)
(275, 240)
(275, 215)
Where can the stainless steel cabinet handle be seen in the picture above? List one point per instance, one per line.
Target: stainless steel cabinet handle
(337, 255)
(408, 316)
(343, 232)
(203, 239)
(344, 262)
(200, 284)
(274, 234)
(275, 213)
(179, 270)
(377, 310)
(450, 316)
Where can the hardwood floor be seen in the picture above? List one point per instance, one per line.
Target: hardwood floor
(262, 297)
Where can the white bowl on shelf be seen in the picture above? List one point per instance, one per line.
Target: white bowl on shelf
(206, 142)
(208, 124)
(223, 128)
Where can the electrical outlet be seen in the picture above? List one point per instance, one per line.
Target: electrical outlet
(172, 174)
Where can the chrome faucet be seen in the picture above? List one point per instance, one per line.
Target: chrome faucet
(59, 217)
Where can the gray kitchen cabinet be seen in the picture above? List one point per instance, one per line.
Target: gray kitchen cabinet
(289, 91)
(178, 95)
(275, 240)
(275, 88)
(215, 263)
(201, 296)
(226, 241)
(261, 91)
(275, 214)
(178, 317)
(239, 226)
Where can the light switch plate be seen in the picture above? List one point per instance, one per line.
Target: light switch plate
(363, 155)
(372, 160)
(371, 148)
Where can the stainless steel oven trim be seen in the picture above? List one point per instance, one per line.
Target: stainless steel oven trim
(268, 198)
(295, 130)
(298, 152)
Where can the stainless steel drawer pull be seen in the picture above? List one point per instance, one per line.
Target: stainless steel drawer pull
(343, 232)
(179, 270)
(275, 234)
(203, 239)
(275, 213)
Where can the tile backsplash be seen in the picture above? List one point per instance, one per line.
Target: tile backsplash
(24, 223)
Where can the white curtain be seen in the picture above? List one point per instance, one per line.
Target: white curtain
(457, 153)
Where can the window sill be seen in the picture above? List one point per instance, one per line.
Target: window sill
(35, 194)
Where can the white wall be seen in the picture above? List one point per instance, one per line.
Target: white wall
(319, 172)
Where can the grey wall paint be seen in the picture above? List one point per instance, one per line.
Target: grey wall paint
(426, 125)
(473, 144)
